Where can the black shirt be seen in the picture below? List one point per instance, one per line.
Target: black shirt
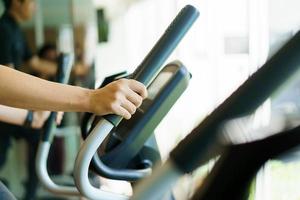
(13, 46)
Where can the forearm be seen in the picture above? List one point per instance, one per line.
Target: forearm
(25, 91)
(11, 115)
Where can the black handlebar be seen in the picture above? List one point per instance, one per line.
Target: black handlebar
(153, 62)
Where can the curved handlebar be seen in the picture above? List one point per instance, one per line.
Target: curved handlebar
(84, 158)
(145, 73)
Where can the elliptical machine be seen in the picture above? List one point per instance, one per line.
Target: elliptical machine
(145, 73)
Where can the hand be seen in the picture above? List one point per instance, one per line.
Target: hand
(121, 97)
(39, 118)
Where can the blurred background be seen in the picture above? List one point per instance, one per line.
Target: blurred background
(229, 42)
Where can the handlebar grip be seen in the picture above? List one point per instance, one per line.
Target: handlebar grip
(113, 119)
(153, 62)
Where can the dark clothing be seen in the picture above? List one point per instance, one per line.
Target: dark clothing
(14, 49)
(31, 136)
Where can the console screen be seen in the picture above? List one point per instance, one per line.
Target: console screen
(159, 83)
(155, 87)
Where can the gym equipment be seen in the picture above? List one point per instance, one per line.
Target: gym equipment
(145, 73)
(232, 174)
(65, 63)
(134, 137)
(201, 144)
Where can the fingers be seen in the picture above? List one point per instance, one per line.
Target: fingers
(138, 88)
(134, 98)
(121, 97)
(122, 112)
(130, 107)
(124, 108)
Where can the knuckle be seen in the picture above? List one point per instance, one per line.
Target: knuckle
(114, 87)
(115, 106)
(111, 106)
(118, 96)
(122, 82)
(120, 88)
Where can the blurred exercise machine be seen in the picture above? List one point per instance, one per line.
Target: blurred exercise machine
(203, 142)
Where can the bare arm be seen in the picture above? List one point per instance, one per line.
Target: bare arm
(12, 115)
(17, 116)
(24, 91)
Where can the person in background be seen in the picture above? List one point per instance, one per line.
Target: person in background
(14, 50)
(47, 52)
(15, 53)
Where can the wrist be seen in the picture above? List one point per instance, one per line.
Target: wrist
(84, 100)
